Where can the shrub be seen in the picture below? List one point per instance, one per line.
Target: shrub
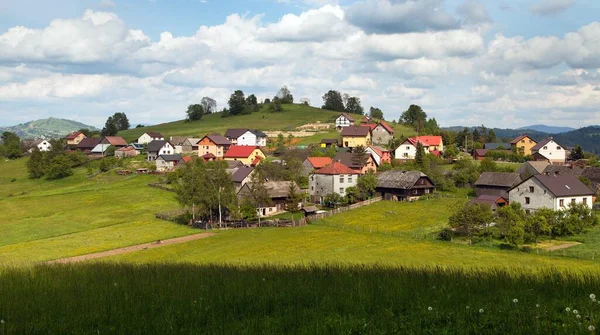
(58, 168)
(446, 234)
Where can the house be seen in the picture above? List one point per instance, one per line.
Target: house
(496, 183)
(523, 145)
(403, 185)
(138, 146)
(177, 143)
(380, 155)
(591, 174)
(215, 145)
(479, 154)
(128, 151)
(328, 142)
(241, 175)
(311, 164)
(167, 162)
(408, 148)
(43, 145)
(248, 155)
(183, 161)
(556, 192)
(344, 120)
(149, 137)
(75, 138)
(310, 211)
(100, 149)
(531, 168)
(382, 133)
(333, 178)
(244, 136)
(496, 146)
(354, 136)
(278, 192)
(115, 141)
(353, 161)
(190, 145)
(494, 201)
(87, 144)
(159, 147)
(552, 151)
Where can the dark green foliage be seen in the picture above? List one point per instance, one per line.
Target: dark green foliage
(35, 165)
(293, 199)
(352, 194)
(107, 163)
(375, 113)
(332, 100)
(284, 95)
(334, 200)
(446, 234)
(114, 124)
(237, 103)
(366, 184)
(194, 112)
(11, 145)
(140, 126)
(576, 153)
(414, 116)
(491, 138)
(420, 154)
(252, 104)
(471, 218)
(209, 105)
(275, 105)
(353, 106)
(59, 167)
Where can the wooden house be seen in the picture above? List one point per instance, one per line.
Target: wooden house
(403, 185)
(496, 183)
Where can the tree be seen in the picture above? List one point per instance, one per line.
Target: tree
(275, 105)
(285, 96)
(491, 137)
(194, 112)
(35, 165)
(11, 147)
(488, 165)
(353, 106)
(420, 155)
(367, 184)
(220, 187)
(58, 168)
(375, 113)
(305, 101)
(209, 105)
(333, 200)
(471, 217)
(352, 194)
(476, 135)
(110, 128)
(121, 121)
(251, 100)
(293, 199)
(332, 100)
(537, 226)
(509, 216)
(576, 153)
(138, 126)
(237, 103)
(259, 194)
(414, 116)
(359, 155)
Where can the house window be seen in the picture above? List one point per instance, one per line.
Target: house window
(405, 154)
(527, 201)
(270, 209)
(557, 148)
(341, 190)
(573, 201)
(312, 188)
(585, 201)
(522, 141)
(407, 148)
(341, 179)
(426, 190)
(415, 192)
(561, 203)
(531, 189)
(350, 178)
(545, 147)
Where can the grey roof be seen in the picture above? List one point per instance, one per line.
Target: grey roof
(155, 145)
(218, 139)
(356, 131)
(593, 175)
(177, 140)
(501, 179)
(310, 209)
(564, 186)
(233, 164)
(192, 141)
(137, 146)
(171, 158)
(563, 170)
(277, 189)
(399, 179)
(543, 142)
(237, 132)
(258, 133)
(533, 167)
(347, 158)
(154, 134)
(492, 146)
(239, 174)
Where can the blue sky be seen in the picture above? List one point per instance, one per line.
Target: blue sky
(466, 62)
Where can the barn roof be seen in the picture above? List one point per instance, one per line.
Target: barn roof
(399, 179)
(335, 168)
(500, 179)
(156, 145)
(356, 131)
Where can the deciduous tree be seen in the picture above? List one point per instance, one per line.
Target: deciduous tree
(375, 113)
(237, 103)
(194, 112)
(209, 105)
(353, 106)
(332, 100)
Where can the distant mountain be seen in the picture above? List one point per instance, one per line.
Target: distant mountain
(46, 128)
(547, 129)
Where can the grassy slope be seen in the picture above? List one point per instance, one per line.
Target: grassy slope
(77, 215)
(292, 117)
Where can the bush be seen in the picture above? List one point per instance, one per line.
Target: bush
(58, 168)
(446, 234)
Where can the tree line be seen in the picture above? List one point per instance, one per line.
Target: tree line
(55, 163)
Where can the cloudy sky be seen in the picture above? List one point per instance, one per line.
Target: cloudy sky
(468, 62)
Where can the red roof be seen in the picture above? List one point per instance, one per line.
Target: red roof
(370, 125)
(388, 128)
(319, 162)
(240, 151)
(516, 140)
(426, 141)
(126, 149)
(256, 160)
(186, 159)
(335, 168)
(115, 140)
(436, 153)
(73, 135)
(208, 156)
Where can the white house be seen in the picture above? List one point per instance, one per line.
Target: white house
(251, 137)
(167, 162)
(408, 148)
(149, 137)
(552, 191)
(333, 178)
(550, 150)
(44, 145)
(344, 120)
(157, 148)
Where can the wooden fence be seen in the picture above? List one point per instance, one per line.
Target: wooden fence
(161, 186)
(338, 210)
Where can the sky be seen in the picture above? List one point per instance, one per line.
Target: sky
(499, 63)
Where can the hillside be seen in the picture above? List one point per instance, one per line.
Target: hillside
(46, 128)
(547, 129)
(293, 115)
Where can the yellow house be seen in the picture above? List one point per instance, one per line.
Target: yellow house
(354, 136)
(523, 145)
(213, 146)
(247, 155)
(75, 137)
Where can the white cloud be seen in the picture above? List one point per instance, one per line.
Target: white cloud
(550, 7)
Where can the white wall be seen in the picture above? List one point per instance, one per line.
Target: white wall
(406, 151)
(567, 201)
(375, 155)
(343, 121)
(167, 149)
(44, 146)
(247, 138)
(541, 197)
(553, 151)
(145, 139)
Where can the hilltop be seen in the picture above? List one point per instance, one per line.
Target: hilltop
(547, 129)
(46, 128)
(292, 116)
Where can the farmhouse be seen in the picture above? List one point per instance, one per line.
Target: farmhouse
(75, 138)
(354, 136)
(190, 145)
(494, 201)
(241, 175)
(408, 148)
(403, 185)
(311, 164)
(150, 136)
(344, 120)
(531, 168)
(278, 192)
(157, 148)
(496, 183)
(167, 162)
(550, 191)
(479, 154)
(380, 155)
(248, 155)
(549, 150)
(88, 144)
(43, 145)
(215, 145)
(183, 161)
(177, 142)
(115, 141)
(244, 136)
(333, 178)
(128, 151)
(358, 164)
(382, 133)
(523, 145)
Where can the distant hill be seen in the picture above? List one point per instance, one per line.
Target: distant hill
(46, 128)
(547, 129)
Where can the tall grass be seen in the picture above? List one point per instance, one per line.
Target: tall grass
(168, 298)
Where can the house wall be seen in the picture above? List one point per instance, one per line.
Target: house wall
(307, 168)
(162, 165)
(381, 136)
(44, 146)
(370, 165)
(129, 153)
(525, 145)
(355, 141)
(375, 155)
(491, 190)
(76, 140)
(145, 139)
(387, 157)
(539, 198)
(554, 152)
(249, 138)
(166, 149)
(406, 151)
(206, 146)
(343, 121)
(321, 185)
(588, 199)
(248, 160)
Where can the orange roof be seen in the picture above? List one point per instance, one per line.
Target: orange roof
(388, 128)
(256, 160)
(73, 135)
(335, 168)
(240, 151)
(436, 153)
(319, 162)
(186, 159)
(426, 140)
(370, 125)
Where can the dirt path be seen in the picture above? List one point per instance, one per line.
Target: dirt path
(152, 245)
(562, 246)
